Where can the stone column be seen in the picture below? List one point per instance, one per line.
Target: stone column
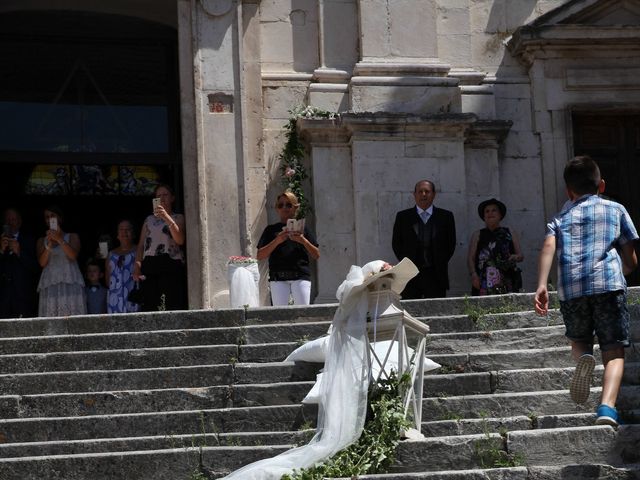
(216, 177)
(399, 70)
(333, 207)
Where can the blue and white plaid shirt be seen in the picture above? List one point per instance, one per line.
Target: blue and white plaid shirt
(587, 233)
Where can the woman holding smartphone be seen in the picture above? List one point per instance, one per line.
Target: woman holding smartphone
(61, 285)
(288, 253)
(159, 263)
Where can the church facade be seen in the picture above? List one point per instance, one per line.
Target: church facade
(487, 98)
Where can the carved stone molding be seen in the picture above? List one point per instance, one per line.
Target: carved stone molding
(216, 8)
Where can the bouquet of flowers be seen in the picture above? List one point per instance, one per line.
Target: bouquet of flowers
(240, 260)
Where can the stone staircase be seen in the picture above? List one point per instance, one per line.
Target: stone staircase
(159, 395)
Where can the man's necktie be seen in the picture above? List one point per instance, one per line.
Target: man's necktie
(424, 216)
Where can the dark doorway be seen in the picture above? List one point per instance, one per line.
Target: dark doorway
(613, 140)
(89, 116)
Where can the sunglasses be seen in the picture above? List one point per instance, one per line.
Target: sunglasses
(284, 205)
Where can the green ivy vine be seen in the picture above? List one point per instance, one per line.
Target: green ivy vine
(375, 450)
(291, 158)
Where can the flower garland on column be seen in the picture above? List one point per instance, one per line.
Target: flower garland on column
(291, 167)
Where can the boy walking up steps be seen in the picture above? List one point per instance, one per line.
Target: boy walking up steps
(594, 241)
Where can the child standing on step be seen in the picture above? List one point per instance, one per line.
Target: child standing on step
(594, 239)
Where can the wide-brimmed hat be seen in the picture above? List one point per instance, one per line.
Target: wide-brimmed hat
(492, 201)
(398, 275)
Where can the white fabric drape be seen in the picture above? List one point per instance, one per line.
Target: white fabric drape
(343, 395)
(244, 280)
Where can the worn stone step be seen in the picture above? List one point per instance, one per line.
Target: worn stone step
(564, 472)
(145, 401)
(130, 444)
(182, 320)
(154, 378)
(494, 340)
(253, 419)
(131, 322)
(579, 445)
(144, 357)
(469, 426)
(478, 322)
(176, 463)
(119, 359)
(258, 334)
(555, 357)
(551, 402)
(457, 305)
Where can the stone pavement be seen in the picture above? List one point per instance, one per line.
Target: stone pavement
(155, 395)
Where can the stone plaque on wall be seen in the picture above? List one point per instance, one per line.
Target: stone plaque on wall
(220, 103)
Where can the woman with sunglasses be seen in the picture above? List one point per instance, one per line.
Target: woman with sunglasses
(119, 268)
(288, 253)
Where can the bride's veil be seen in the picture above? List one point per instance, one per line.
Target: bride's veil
(343, 393)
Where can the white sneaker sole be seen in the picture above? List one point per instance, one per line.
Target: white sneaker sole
(581, 382)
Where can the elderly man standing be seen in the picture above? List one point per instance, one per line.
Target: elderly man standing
(18, 269)
(426, 235)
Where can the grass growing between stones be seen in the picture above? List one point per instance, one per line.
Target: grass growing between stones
(375, 450)
(482, 318)
(490, 455)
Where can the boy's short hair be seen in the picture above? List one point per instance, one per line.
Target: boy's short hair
(582, 175)
(93, 262)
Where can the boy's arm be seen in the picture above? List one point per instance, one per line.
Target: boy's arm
(544, 267)
(629, 259)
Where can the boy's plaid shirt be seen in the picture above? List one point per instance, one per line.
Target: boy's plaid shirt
(587, 233)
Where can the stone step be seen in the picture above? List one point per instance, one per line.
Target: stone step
(176, 463)
(119, 359)
(258, 334)
(183, 320)
(532, 404)
(144, 357)
(156, 378)
(193, 422)
(147, 401)
(501, 425)
(490, 321)
(470, 452)
(579, 445)
(131, 444)
(564, 472)
(496, 340)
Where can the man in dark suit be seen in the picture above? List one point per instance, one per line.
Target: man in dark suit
(18, 269)
(426, 235)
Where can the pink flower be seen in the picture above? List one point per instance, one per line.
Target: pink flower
(289, 172)
(493, 277)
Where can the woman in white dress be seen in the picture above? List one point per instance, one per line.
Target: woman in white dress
(61, 285)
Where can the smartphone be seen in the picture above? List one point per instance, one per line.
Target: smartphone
(53, 223)
(156, 202)
(291, 225)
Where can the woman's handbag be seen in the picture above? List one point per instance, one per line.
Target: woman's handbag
(135, 295)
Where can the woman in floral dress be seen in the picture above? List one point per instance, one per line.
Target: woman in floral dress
(119, 271)
(493, 253)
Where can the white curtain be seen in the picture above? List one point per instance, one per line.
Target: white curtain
(343, 395)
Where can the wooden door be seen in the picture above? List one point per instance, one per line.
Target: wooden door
(613, 140)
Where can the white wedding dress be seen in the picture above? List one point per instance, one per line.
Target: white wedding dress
(342, 405)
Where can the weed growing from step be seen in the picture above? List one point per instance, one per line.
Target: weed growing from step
(302, 340)
(375, 450)
(490, 455)
(479, 315)
(163, 303)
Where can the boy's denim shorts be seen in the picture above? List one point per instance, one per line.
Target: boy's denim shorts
(604, 314)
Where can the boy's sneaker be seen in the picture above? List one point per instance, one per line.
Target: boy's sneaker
(607, 415)
(581, 382)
